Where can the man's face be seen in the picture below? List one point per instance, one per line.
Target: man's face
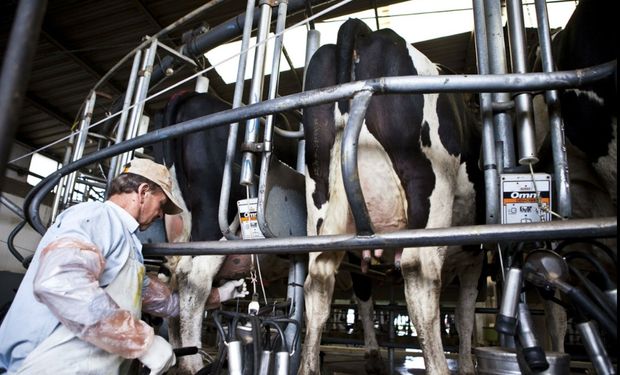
(152, 207)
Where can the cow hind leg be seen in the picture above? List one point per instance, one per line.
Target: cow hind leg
(362, 288)
(195, 278)
(556, 322)
(465, 313)
(422, 276)
(318, 293)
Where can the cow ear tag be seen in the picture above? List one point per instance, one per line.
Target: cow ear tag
(248, 221)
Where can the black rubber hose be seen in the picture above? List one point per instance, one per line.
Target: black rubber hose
(597, 245)
(574, 254)
(254, 320)
(9, 242)
(582, 302)
(596, 293)
(283, 346)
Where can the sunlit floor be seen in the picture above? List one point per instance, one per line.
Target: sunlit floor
(343, 360)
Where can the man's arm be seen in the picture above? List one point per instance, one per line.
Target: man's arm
(158, 299)
(67, 283)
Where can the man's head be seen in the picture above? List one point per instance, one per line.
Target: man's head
(152, 185)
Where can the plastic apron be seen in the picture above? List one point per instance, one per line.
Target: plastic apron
(64, 353)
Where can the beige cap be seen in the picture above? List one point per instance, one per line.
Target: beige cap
(158, 174)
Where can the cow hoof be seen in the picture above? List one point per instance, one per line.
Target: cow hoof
(374, 363)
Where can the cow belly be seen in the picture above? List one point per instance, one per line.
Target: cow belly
(383, 192)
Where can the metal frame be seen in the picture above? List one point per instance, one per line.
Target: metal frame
(493, 84)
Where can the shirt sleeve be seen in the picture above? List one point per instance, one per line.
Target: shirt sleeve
(67, 282)
(158, 299)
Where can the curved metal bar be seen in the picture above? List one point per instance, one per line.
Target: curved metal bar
(350, 173)
(403, 84)
(465, 235)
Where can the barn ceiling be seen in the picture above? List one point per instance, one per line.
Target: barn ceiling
(81, 40)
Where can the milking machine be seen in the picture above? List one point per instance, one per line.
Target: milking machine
(527, 198)
(253, 343)
(593, 310)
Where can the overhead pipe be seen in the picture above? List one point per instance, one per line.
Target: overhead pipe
(15, 72)
(223, 33)
(385, 85)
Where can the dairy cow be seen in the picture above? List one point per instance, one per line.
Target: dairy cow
(589, 115)
(417, 160)
(197, 160)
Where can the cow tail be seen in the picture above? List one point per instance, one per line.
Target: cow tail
(173, 147)
(350, 31)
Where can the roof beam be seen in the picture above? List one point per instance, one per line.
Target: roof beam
(152, 20)
(46, 108)
(84, 63)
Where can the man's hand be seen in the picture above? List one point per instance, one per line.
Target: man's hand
(159, 357)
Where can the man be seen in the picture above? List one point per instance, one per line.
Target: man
(78, 308)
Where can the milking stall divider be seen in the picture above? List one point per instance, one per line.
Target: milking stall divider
(494, 84)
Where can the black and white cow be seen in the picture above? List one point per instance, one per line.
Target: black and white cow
(590, 117)
(417, 159)
(590, 113)
(197, 160)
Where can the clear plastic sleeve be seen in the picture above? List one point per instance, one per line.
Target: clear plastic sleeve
(67, 283)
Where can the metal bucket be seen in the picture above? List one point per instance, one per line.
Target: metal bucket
(503, 361)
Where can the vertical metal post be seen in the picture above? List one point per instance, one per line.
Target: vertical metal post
(231, 147)
(61, 188)
(497, 65)
(115, 166)
(78, 149)
(248, 160)
(298, 267)
(141, 92)
(556, 126)
(268, 132)
(523, 101)
(15, 73)
(313, 42)
(491, 177)
(295, 293)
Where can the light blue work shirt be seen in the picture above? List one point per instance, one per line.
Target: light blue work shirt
(28, 322)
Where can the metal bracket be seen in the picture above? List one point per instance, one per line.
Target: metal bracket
(253, 147)
(271, 3)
